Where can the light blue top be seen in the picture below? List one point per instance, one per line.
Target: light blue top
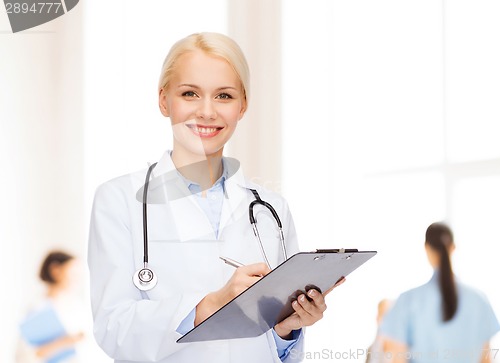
(416, 320)
(212, 206)
(212, 203)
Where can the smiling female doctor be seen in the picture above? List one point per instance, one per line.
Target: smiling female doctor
(197, 210)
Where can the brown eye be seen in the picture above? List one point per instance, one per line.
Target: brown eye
(189, 94)
(224, 96)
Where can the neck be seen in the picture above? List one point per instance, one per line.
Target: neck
(204, 170)
(54, 290)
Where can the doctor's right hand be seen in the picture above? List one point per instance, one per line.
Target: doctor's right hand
(243, 277)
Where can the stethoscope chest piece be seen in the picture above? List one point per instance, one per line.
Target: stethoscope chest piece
(144, 279)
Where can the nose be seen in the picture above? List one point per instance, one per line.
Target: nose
(206, 110)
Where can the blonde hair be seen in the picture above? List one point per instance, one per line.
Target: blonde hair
(214, 44)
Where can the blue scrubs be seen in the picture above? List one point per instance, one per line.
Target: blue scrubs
(416, 320)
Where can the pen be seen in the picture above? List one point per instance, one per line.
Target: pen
(231, 262)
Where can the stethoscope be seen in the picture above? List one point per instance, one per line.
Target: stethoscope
(145, 279)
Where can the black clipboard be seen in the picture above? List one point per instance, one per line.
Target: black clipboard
(269, 300)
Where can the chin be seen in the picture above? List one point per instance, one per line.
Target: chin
(213, 152)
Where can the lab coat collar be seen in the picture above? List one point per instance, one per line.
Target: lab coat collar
(237, 197)
(166, 166)
(166, 186)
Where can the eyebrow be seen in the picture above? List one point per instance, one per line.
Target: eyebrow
(197, 87)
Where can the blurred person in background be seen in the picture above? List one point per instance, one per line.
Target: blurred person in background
(53, 330)
(443, 320)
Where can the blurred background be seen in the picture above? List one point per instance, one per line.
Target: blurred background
(373, 118)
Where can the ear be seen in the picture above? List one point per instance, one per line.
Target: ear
(163, 103)
(243, 109)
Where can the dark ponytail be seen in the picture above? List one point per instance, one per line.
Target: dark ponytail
(440, 238)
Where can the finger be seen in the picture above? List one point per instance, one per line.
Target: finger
(308, 312)
(318, 299)
(252, 280)
(239, 283)
(297, 307)
(255, 269)
(338, 283)
(311, 307)
(245, 281)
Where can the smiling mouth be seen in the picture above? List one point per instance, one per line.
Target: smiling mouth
(204, 131)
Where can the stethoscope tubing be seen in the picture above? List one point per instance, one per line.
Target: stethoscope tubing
(253, 222)
(145, 215)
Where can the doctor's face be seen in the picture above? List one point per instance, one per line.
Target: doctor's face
(204, 101)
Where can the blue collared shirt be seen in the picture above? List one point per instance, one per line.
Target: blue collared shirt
(415, 320)
(212, 206)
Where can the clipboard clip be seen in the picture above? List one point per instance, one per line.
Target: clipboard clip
(337, 250)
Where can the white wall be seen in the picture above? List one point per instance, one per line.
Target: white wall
(41, 158)
(390, 122)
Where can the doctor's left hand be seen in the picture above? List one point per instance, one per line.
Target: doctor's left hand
(307, 311)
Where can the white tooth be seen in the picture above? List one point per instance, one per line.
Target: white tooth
(204, 130)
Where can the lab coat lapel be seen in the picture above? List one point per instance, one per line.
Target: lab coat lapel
(167, 187)
(237, 197)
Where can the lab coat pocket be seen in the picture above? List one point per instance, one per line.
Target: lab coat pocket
(188, 266)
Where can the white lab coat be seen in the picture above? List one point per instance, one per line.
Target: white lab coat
(134, 326)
